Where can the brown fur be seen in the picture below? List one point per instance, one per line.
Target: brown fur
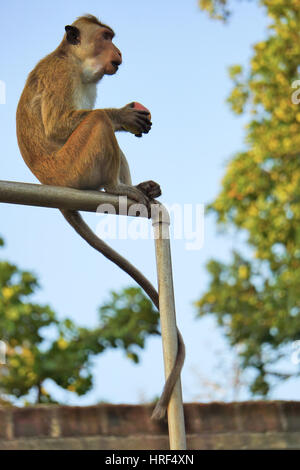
(65, 142)
(91, 19)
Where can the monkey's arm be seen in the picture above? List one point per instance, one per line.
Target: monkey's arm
(59, 114)
(59, 124)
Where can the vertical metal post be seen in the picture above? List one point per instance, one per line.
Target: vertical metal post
(161, 222)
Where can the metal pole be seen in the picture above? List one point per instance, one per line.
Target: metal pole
(67, 198)
(161, 222)
(60, 197)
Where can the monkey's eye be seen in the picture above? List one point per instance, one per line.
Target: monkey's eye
(107, 36)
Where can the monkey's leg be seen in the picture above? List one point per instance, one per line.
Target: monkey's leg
(124, 173)
(90, 159)
(149, 188)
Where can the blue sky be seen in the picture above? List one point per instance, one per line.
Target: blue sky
(175, 62)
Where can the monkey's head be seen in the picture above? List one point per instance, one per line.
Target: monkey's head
(90, 41)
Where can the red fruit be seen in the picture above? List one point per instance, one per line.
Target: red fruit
(140, 106)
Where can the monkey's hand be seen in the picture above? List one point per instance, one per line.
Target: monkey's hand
(135, 120)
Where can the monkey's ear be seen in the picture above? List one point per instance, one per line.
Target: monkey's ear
(73, 35)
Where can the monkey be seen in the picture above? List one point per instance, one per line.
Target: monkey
(66, 142)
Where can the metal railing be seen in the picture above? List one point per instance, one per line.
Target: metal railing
(91, 201)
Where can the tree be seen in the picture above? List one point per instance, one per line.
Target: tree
(126, 321)
(33, 354)
(256, 298)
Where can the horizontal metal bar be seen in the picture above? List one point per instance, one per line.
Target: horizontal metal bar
(60, 197)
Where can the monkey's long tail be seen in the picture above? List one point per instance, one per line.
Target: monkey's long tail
(77, 222)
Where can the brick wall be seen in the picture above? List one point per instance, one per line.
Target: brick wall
(246, 425)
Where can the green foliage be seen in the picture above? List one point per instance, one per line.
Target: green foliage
(23, 327)
(34, 356)
(217, 9)
(126, 320)
(257, 300)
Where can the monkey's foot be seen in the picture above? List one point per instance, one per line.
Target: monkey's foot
(150, 189)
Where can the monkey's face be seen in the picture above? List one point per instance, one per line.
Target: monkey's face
(93, 46)
(105, 52)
